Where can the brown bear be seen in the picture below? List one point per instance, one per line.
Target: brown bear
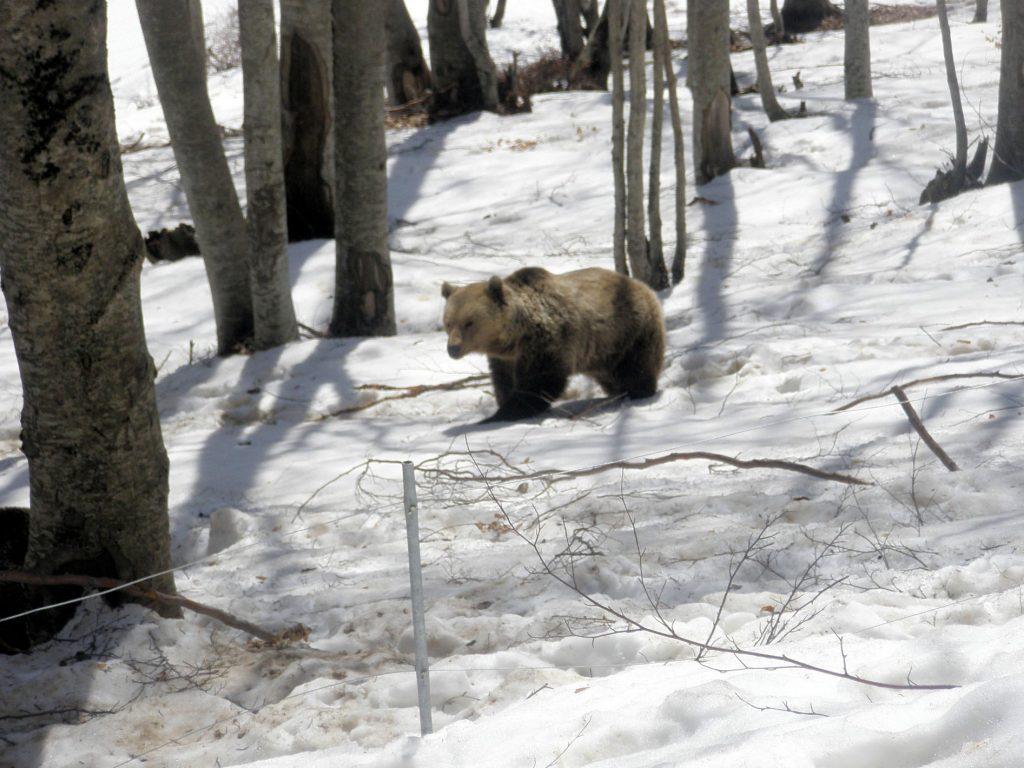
(539, 328)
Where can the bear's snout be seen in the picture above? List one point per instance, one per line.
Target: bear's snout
(454, 351)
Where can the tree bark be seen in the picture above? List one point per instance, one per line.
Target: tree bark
(273, 312)
(661, 29)
(709, 84)
(364, 302)
(801, 16)
(636, 229)
(307, 115)
(408, 77)
(1008, 156)
(173, 30)
(980, 11)
(857, 50)
(780, 25)
(960, 163)
(595, 61)
(499, 15)
(764, 74)
(71, 255)
(655, 249)
(570, 27)
(465, 78)
(613, 9)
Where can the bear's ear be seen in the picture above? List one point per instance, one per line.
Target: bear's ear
(447, 289)
(496, 290)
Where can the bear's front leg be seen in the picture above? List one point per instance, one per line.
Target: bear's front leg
(503, 379)
(537, 382)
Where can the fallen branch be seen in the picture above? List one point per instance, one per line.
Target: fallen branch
(141, 593)
(404, 393)
(917, 424)
(981, 322)
(930, 380)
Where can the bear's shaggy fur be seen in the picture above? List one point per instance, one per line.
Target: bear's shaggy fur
(538, 328)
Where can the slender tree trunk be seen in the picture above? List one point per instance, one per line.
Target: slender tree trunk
(364, 300)
(661, 29)
(307, 113)
(709, 83)
(1008, 157)
(71, 255)
(655, 250)
(273, 312)
(615, 28)
(980, 11)
(408, 77)
(764, 73)
(595, 61)
(636, 230)
(173, 30)
(570, 27)
(960, 164)
(465, 78)
(499, 15)
(591, 15)
(780, 25)
(857, 47)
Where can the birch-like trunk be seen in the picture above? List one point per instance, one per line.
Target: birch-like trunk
(857, 50)
(568, 15)
(679, 155)
(1008, 157)
(709, 82)
(764, 74)
(655, 247)
(408, 77)
(364, 300)
(173, 30)
(273, 312)
(70, 257)
(980, 11)
(465, 78)
(960, 163)
(307, 113)
(636, 228)
(615, 29)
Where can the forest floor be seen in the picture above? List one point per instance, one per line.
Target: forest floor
(811, 283)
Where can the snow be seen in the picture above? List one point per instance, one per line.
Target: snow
(809, 284)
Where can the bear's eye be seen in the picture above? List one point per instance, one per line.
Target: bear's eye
(468, 325)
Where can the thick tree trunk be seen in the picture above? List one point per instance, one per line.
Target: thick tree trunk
(636, 228)
(679, 157)
(465, 78)
(173, 30)
(70, 255)
(307, 112)
(408, 77)
(1008, 157)
(801, 16)
(364, 301)
(709, 83)
(857, 50)
(960, 163)
(613, 9)
(273, 312)
(980, 11)
(570, 27)
(764, 73)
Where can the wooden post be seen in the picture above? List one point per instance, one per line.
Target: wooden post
(419, 629)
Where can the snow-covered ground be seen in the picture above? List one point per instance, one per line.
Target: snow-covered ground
(809, 284)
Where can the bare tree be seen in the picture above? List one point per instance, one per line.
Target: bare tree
(857, 50)
(655, 248)
(273, 312)
(661, 39)
(615, 28)
(764, 73)
(465, 77)
(408, 78)
(71, 256)
(960, 163)
(568, 14)
(980, 11)
(364, 302)
(306, 104)
(1008, 157)
(800, 16)
(173, 30)
(709, 83)
(636, 228)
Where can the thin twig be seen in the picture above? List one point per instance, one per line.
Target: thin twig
(412, 391)
(917, 424)
(981, 322)
(930, 380)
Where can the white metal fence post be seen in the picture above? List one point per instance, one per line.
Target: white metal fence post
(419, 628)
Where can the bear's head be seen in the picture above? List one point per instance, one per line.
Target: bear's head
(475, 317)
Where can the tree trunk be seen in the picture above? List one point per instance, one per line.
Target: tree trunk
(780, 25)
(613, 9)
(408, 77)
(465, 78)
(173, 30)
(709, 83)
(1008, 157)
(801, 16)
(857, 50)
(71, 255)
(595, 61)
(981, 11)
(273, 312)
(499, 15)
(364, 301)
(655, 249)
(661, 29)
(636, 228)
(764, 73)
(570, 27)
(307, 114)
(960, 164)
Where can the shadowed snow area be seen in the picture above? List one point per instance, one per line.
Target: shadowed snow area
(809, 284)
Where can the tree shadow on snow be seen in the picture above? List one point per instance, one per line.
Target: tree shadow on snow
(721, 223)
